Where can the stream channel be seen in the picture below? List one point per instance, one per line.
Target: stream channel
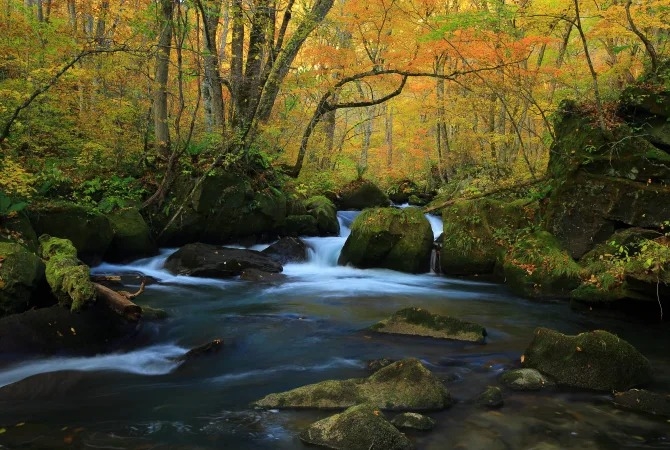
(310, 328)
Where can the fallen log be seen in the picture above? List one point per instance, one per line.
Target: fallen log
(118, 303)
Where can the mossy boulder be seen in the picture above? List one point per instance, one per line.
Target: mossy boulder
(226, 207)
(21, 278)
(68, 277)
(492, 397)
(644, 401)
(397, 239)
(361, 194)
(132, 236)
(477, 231)
(89, 230)
(325, 213)
(419, 322)
(536, 266)
(403, 385)
(596, 360)
(302, 225)
(526, 380)
(18, 229)
(413, 421)
(360, 427)
(631, 268)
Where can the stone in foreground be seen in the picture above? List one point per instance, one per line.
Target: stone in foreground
(644, 401)
(595, 360)
(419, 322)
(404, 385)
(212, 261)
(361, 427)
(492, 397)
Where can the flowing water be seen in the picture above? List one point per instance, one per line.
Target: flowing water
(311, 328)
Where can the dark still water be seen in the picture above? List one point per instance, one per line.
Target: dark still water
(308, 329)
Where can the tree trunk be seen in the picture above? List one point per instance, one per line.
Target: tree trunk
(160, 108)
(210, 11)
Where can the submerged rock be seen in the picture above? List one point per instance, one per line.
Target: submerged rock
(595, 360)
(526, 380)
(403, 385)
(644, 401)
(211, 261)
(361, 427)
(419, 322)
(414, 421)
(258, 276)
(390, 238)
(492, 397)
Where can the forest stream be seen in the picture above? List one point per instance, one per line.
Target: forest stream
(310, 328)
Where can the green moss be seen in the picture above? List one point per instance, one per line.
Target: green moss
(325, 213)
(536, 265)
(69, 279)
(397, 239)
(525, 380)
(20, 274)
(419, 322)
(595, 360)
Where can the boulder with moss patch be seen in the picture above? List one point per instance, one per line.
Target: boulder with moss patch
(403, 385)
(360, 427)
(476, 231)
(18, 229)
(390, 238)
(419, 322)
(536, 266)
(595, 360)
(21, 277)
(325, 213)
(413, 421)
(89, 230)
(132, 236)
(644, 401)
(69, 279)
(361, 194)
(526, 380)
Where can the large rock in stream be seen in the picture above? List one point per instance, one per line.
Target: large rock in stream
(404, 385)
(595, 360)
(132, 236)
(390, 238)
(212, 261)
(360, 427)
(419, 322)
(361, 194)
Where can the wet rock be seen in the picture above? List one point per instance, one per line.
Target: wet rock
(526, 380)
(70, 280)
(644, 401)
(595, 360)
(287, 250)
(152, 314)
(211, 261)
(361, 194)
(361, 427)
(21, 278)
(325, 213)
(413, 421)
(419, 322)
(55, 329)
(202, 350)
(300, 225)
(376, 364)
(132, 236)
(258, 276)
(492, 397)
(89, 231)
(403, 385)
(391, 238)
